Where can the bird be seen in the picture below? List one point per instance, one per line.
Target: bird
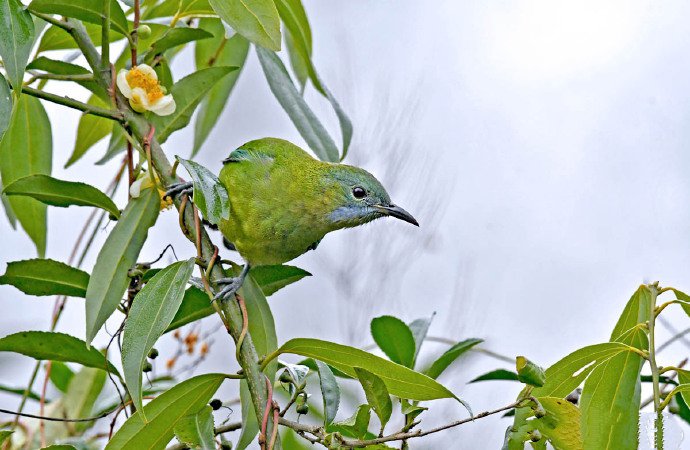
(283, 202)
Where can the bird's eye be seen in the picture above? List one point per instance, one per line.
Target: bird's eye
(359, 192)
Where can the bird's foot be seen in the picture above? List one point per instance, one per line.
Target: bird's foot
(180, 188)
(230, 287)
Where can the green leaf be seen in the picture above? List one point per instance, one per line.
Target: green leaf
(16, 39)
(329, 391)
(498, 374)
(261, 324)
(233, 53)
(109, 278)
(182, 8)
(453, 353)
(529, 373)
(683, 409)
(43, 345)
(60, 375)
(82, 393)
(90, 131)
(304, 119)
(56, 38)
(45, 277)
(684, 378)
(64, 68)
(250, 425)
(394, 337)
(116, 145)
(355, 426)
(400, 381)
(196, 430)
(610, 399)
(273, 278)
(419, 328)
(299, 66)
(54, 192)
(377, 395)
(177, 36)
(19, 391)
(152, 311)
(299, 39)
(27, 149)
(5, 105)
(561, 424)
(163, 412)
(90, 11)
(257, 21)
(682, 296)
(195, 305)
(187, 93)
(210, 196)
(4, 434)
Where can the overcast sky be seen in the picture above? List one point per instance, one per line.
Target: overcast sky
(542, 145)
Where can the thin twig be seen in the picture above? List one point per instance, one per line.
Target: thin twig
(74, 104)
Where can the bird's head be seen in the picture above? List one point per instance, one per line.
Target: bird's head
(358, 197)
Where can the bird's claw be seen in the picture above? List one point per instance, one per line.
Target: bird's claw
(180, 188)
(230, 287)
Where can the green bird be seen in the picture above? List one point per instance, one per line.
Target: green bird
(283, 202)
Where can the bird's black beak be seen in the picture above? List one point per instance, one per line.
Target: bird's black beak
(398, 213)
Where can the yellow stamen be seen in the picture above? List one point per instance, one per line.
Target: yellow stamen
(137, 78)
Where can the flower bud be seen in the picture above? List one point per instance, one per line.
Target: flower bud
(144, 31)
(529, 373)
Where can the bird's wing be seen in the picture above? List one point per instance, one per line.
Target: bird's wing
(242, 154)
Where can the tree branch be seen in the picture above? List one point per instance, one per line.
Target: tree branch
(74, 104)
(319, 433)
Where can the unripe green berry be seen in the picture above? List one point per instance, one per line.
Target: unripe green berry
(147, 367)
(227, 445)
(153, 354)
(302, 409)
(144, 31)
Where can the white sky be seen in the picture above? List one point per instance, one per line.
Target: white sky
(546, 151)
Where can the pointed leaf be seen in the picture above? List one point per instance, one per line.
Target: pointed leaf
(329, 391)
(210, 196)
(16, 39)
(42, 345)
(261, 324)
(152, 311)
(4, 435)
(610, 399)
(45, 277)
(273, 278)
(498, 374)
(195, 305)
(90, 131)
(81, 395)
(394, 337)
(377, 395)
(109, 278)
(233, 53)
(196, 430)
(163, 412)
(182, 8)
(419, 328)
(55, 38)
(684, 378)
(250, 425)
(90, 11)
(453, 353)
(297, 109)
(64, 68)
(26, 149)
(60, 375)
(5, 105)
(187, 93)
(177, 36)
(355, 426)
(54, 192)
(19, 391)
(295, 19)
(400, 381)
(257, 21)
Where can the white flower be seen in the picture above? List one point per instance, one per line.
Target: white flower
(140, 85)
